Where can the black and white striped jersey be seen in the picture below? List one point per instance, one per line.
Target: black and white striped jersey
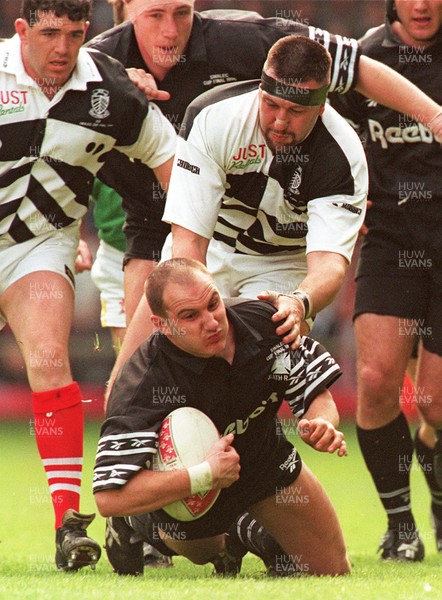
(227, 183)
(50, 150)
(242, 398)
(225, 46)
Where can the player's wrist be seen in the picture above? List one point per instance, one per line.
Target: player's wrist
(304, 301)
(201, 478)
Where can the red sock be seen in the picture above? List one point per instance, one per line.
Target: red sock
(58, 424)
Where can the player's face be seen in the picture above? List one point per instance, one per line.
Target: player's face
(420, 20)
(285, 123)
(196, 317)
(50, 47)
(162, 30)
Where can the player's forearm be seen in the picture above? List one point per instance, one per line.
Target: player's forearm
(140, 329)
(186, 243)
(324, 407)
(381, 83)
(135, 275)
(145, 492)
(325, 275)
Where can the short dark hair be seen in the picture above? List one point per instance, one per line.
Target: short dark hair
(175, 270)
(297, 59)
(75, 10)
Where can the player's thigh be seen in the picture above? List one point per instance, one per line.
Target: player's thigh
(199, 551)
(302, 519)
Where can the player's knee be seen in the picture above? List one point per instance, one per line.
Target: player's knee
(376, 389)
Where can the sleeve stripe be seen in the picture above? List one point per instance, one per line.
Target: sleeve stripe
(118, 466)
(125, 452)
(126, 436)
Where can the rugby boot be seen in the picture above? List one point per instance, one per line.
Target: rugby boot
(74, 549)
(395, 547)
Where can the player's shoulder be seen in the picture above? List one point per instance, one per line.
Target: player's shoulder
(231, 99)
(372, 42)
(255, 315)
(108, 40)
(234, 19)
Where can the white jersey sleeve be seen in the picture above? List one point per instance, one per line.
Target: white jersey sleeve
(196, 188)
(156, 142)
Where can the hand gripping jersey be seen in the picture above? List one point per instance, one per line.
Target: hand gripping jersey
(228, 184)
(50, 150)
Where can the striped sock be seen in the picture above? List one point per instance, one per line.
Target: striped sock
(388, 454)
(58, 425)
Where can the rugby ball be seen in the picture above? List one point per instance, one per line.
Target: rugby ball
(184, 439)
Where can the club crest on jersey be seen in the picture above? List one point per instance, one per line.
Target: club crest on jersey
(100, 102)
(281, 366)
(292, 189)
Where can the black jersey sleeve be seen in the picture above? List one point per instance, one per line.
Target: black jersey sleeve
(129, 435)
(313, 369)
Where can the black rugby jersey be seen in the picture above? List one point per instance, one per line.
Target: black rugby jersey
(225, 46)
(242, 398)
(404, 158)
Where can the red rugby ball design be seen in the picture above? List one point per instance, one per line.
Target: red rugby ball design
(185, 437)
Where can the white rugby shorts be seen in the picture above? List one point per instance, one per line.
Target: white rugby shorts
(107, 274)
(246, 275)
(54, 251)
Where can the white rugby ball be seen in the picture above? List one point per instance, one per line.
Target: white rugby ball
(184, 439)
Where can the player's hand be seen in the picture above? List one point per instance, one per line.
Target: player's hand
(322, 436)
(147, 84)
(83, 261)
(364, 229)
(291, 311)
(224, 462)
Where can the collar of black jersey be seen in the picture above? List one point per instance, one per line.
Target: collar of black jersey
(247, 340)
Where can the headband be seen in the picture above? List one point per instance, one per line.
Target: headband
(297, 95)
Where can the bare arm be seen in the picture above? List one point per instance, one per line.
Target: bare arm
(151, 490)
(317, 428)
(136, 272)
(189, 244)
(325, 274)
(139, 329)
(383, 84)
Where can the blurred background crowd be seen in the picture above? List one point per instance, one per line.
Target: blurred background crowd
(91, 350)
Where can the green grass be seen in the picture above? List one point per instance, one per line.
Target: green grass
(27, 546)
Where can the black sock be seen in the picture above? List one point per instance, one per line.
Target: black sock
(438, 458)
(388, 454)
(425, 457)
(246, 534)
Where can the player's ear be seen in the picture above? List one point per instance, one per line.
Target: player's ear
(158, 322)
(21, 27)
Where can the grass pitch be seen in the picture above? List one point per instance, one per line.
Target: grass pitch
(27, 541)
